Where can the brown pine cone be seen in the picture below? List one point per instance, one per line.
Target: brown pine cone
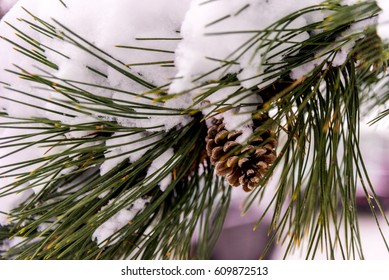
(241, 165)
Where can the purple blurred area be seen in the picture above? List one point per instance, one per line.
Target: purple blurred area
(5, 5)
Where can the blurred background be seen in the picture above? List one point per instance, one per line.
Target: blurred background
(239, 241)
(5, 5)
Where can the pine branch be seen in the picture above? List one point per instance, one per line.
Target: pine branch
(89, 171)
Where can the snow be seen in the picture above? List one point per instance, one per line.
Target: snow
(383, 19)
(343, 44)
(10, 202)
(11, 242)
(126, 146)
(117, 221)
(124, 24)
(204, 45)
(79, 121)
(158, 166)
(206, 53)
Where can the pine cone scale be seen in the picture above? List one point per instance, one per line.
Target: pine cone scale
(229, 146)
(232, 161)
(210, 146)
(217, 154)
(220, 136)
(222, 169)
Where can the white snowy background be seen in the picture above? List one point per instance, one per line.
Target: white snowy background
(122, 23)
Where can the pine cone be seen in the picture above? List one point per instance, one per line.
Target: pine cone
(241, 165)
